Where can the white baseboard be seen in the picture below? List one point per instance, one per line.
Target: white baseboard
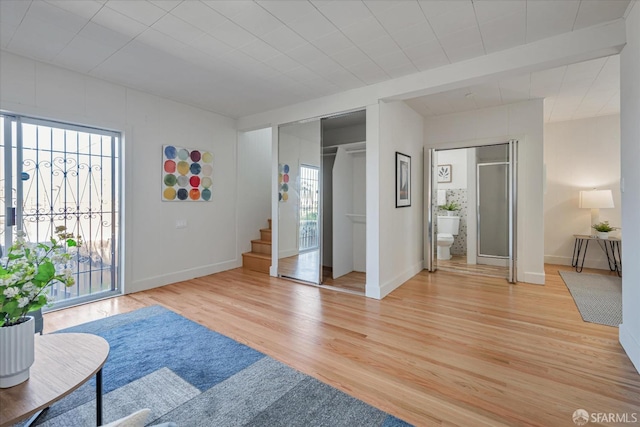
(631, 346)
(534, 278)
(182, 275)
(588, 262)
(386, 288)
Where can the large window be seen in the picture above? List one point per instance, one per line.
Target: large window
(61, 178)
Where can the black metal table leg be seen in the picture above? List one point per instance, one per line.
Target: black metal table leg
(577, 250)
(34, 418)
(99, 397)
(617, 262)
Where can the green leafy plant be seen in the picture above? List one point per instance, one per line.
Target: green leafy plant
(450, 207)
(28, 270)
(603, 227)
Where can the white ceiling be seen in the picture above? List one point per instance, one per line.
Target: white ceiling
(576, 91)
(242, 57)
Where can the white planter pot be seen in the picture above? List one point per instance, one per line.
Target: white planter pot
(451, 213)
(603, 234)
(16, 353)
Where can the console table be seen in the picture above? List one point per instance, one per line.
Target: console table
(610, 246)
(63, 362)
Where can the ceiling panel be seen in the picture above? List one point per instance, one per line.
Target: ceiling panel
(364, 31)
(199, 15)
(144, 12)
(455, 18)
(118, 22)
(167, 5)
(13, 11)
(256, 20)
(6, 34)
(232, 34)
(286, 10)
(401, 15)
(177, 28)
(504, 31)
(489, 10)
(333, 43)
(284, 39)
(546, 18)
(85, 8)
(312, 26)
(413, 35)
(84, 54)
(592, 12)
(342, 14)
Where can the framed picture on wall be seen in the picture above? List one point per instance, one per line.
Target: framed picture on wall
(403, 180)
(444, 173)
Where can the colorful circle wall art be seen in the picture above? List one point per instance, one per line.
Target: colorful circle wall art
(187, 174)
(283, 182)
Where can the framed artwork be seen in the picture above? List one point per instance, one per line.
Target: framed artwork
(187, 174)
(403, 180)
(444, 173)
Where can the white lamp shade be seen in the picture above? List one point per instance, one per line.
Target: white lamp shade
(596, 199)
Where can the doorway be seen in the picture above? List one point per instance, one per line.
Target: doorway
(470, 208)
(63, 178)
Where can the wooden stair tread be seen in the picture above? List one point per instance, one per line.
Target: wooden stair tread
(257, 255)
(264, 242)
(266, 230)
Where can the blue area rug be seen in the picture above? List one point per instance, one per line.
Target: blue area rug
(193, 376)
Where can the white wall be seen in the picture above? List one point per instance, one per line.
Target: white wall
(579, 155)
(630, 173)
(522, 121)
(401, 129)
(458, 161)
(254, 185)
(156, 253)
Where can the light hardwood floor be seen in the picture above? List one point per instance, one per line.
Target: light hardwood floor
(458, 264)
(443, 349)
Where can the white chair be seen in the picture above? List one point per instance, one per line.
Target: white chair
(137, 419)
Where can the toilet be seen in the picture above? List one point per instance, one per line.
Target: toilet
(447, 228)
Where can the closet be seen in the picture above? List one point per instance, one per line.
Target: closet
(321, 201)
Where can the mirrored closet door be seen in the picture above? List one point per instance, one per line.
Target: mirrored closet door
(299, 209)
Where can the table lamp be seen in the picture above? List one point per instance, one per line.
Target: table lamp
(596, 200)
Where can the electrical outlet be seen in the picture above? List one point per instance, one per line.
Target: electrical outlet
(181, 223)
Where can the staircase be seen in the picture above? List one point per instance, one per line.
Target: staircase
(259, 259)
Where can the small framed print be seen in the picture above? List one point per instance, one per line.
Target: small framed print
(403, 180)
(444, 173)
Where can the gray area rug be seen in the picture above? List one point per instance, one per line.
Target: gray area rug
(598, 297)
(195, 377)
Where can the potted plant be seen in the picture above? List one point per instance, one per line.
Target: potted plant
(603, 228)
(26, 273)
(451, 208)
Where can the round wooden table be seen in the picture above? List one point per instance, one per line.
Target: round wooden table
(63, 362)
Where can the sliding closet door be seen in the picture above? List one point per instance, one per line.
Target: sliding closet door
(299, 210)
(513, 210)
(430, 262)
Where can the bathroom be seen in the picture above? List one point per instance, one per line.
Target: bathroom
(471, 210)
